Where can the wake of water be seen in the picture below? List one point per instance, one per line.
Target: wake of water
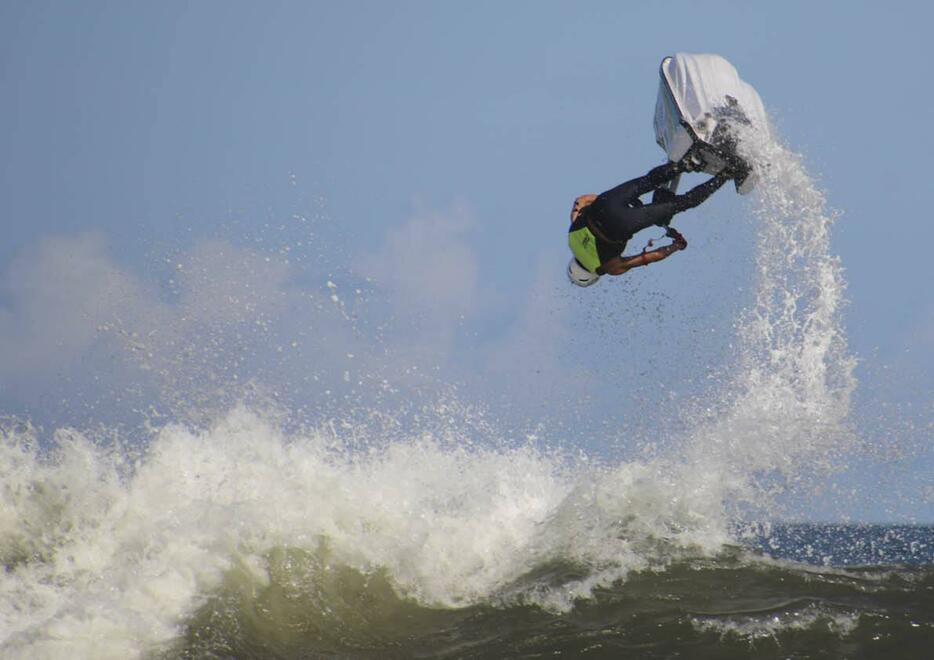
(784, 412)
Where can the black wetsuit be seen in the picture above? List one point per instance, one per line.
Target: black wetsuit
(617, 214)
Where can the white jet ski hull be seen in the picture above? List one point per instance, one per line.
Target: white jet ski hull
(700, 98)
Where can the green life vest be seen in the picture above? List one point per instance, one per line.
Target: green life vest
(584, 246)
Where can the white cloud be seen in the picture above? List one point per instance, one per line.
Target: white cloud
(75, 322)
(58, 295)
(429, 268)
(75, 325)
(527, 360)
(220, 283)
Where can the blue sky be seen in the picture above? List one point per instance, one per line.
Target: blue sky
(173, 168)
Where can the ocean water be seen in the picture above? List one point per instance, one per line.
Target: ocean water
(733, 605)
(239, 542)
(242, 538)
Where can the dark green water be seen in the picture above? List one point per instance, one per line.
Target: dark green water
(740, 604)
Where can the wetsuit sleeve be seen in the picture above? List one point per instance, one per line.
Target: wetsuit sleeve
(660, 213)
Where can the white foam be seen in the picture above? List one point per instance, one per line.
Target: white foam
(115, 564)
(769, 626)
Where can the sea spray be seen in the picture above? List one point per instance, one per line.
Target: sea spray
(109, 560)
(784, 413)
(116, 565)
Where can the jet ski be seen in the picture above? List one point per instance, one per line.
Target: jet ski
(702, 108)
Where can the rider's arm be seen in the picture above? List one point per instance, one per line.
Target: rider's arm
(619, 265)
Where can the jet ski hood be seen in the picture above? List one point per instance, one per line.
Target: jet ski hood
(701, 99)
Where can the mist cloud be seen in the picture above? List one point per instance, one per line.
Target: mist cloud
(57, 296)
(76, 322)
(428, 268)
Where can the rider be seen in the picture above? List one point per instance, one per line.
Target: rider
(601, 225)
